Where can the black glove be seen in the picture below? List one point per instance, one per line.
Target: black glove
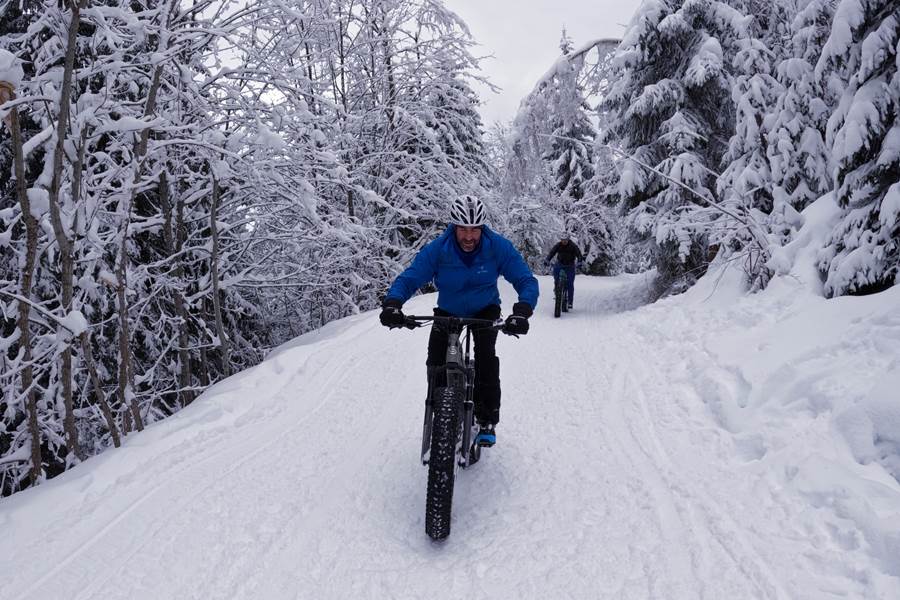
(517, 323)
(391, 315)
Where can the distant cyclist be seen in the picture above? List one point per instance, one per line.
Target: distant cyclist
(465, 263)
(568, 256)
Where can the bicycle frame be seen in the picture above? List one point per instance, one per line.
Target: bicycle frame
(447, 431)
(459, 369)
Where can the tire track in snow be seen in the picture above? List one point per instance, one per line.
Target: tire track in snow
(675, 506)
(163, 469)
(608, 356)
(680, 579)
(184, 504)
(691, 499)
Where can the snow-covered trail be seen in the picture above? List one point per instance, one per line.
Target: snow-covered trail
(300, 479)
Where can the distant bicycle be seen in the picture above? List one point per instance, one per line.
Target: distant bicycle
(449, 428)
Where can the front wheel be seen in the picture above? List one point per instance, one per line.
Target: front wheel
(557, 296)
(442, 461)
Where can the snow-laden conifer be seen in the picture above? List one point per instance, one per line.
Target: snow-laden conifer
(796, 148)
(861, 56)
(673, 116)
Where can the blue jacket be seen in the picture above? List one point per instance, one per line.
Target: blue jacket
(465, 290)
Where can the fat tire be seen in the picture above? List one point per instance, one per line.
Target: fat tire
(442, 462)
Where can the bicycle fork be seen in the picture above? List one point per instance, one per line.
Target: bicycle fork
(460, 375)
(429, 414)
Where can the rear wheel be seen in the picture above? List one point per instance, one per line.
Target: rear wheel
(442, 461)
(564, 291)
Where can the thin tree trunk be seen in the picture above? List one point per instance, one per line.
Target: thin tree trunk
(126, 423)
(62, 239)
(391, 95)
(214, 274)
(126, 370)
(340, 91)
(172, 235)
(126, 390)
(184, 332)
(204, 365)
(98, 389)
(26, 276)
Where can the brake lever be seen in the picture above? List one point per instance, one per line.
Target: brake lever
(410, 324)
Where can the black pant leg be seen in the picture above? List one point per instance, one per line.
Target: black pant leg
(437, 349)
(487, 370)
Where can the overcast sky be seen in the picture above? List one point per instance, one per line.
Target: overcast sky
(523, 36)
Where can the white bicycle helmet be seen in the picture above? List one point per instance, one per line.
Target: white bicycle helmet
(468, 211)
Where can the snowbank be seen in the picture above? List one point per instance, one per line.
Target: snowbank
(809, 388)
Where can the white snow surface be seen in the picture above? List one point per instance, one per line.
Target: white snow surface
(712, 445)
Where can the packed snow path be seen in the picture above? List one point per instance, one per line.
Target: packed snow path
(615, 476)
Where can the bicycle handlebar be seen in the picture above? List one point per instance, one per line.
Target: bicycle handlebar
(414, 321)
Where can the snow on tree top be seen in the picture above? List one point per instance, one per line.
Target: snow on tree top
(706, 64)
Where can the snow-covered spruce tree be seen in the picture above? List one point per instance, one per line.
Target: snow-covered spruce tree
(795, 138)
(746, 182)
(625, 254)
(550, 162)
(861, 56)
(568, 150)
(600, 216)
(673, 114)
(526, 185)
(452, 112)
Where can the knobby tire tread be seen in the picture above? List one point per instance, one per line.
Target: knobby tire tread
(557, 301)
(442, 462)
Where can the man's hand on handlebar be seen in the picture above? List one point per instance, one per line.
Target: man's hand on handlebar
(391, 315)
(517, 323)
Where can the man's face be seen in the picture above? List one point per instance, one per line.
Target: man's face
(468, 237)
(564, 241)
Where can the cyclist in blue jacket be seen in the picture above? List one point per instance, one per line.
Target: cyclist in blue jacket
(464, 263)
